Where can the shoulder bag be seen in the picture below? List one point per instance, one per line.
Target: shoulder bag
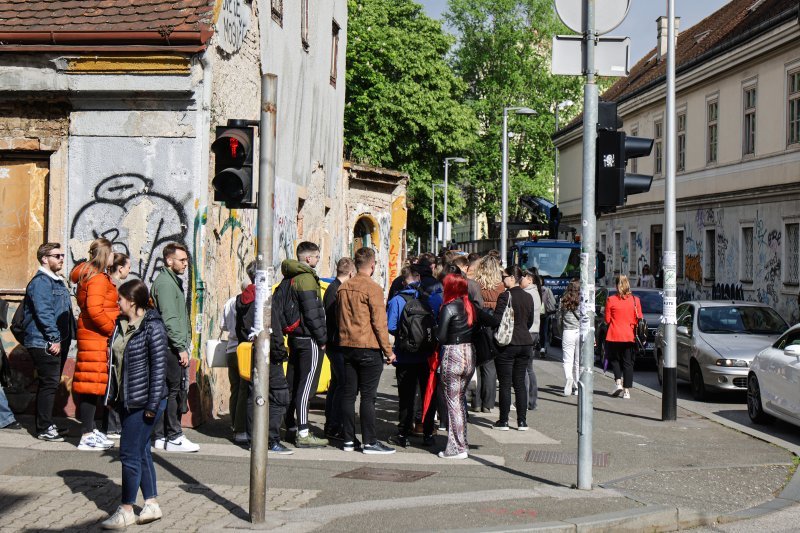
(506, 328)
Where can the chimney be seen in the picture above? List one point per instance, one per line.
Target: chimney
(661, 23)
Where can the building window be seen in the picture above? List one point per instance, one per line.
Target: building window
(681, 152)
(277, 11)
(658, 129)
(635, 161)
(794, 107)
(603, 243)
(710, 266)
(334, 52)
(749, 140)
(304, 24)
(792, 254)
(632, 253)
(679, 254)
(617, 254)
(747, 254)
(712, 133)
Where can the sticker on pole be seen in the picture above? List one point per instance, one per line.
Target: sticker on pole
(670, 304)
(608, 14)
(262, 295)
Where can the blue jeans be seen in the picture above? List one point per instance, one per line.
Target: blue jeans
(6, 416)
(134, 453)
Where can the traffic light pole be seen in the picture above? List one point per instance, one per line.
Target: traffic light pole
(265, 274)
(669, 397)
(588, 238)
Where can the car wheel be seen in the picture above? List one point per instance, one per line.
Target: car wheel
(660, 368)
(698, 385)
(754, 408)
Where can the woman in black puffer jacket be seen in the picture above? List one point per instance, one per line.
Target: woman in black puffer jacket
(138, 391)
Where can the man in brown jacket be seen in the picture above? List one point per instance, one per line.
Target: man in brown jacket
(364, 339)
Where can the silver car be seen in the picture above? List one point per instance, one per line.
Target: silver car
(717, 341)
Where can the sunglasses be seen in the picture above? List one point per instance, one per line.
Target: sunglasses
(57, 256)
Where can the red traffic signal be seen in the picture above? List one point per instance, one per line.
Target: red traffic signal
(233, 167)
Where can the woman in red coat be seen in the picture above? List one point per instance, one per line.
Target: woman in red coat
(97, 299)
(622, 310)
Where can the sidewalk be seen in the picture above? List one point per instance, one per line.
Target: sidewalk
(648, 475)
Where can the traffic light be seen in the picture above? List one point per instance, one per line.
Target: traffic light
(614, 150)
(233, 168)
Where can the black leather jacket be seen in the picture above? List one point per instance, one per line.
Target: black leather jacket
(453, 328)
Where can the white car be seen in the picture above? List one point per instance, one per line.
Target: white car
(773, 383)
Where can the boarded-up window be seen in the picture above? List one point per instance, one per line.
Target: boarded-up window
(792, 254)
(23, 224)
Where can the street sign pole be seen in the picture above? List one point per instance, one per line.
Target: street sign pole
(669, 401)
(504, 195)
(588, 236)
(265, 273)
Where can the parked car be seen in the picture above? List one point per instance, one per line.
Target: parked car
(717, 341)
(652, 301)
(773, 382)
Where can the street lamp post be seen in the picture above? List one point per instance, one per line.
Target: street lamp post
(447, 161)
(433, 215)
(504, 193)
(561, 105)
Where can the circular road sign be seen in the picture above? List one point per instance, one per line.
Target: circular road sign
(608, 14)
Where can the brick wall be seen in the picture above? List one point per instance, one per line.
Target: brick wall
(33, 124)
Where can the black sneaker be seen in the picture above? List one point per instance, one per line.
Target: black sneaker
(279, 449)
(13, 425)
(334, 434)
(428, 440)
(522, 426)
(502, 426)
(378, 448)
(349, 446)
(51, 435)
(400, 440)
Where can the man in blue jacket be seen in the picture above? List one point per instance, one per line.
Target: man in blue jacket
(49, 328)
(411, 368)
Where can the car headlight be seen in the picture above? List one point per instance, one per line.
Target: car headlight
(740, 363)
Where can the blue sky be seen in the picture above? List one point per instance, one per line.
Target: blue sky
(640, 25)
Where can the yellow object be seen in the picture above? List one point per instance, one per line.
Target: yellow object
(245, 350)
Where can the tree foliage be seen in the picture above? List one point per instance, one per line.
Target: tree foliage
(503, 54)
(404, 105)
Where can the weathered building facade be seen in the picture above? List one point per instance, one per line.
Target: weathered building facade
(738, 158)
(106, 120)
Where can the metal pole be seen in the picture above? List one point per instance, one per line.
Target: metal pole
(433, 218)
(444, 215)
(555, 170)
(504, 194)
(669, 398)
(265, 273)
(589, 221)
(419, 246)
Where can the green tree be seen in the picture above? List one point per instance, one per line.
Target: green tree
(503, 54)
(404, 105)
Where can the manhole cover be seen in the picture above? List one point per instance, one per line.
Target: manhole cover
(563, 458)
(385, 474)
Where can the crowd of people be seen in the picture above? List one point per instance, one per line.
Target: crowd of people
(455, 327)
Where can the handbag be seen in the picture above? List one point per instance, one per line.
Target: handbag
(486, 348)
(506, 328)
(640, 328)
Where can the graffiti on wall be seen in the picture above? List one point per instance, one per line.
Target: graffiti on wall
(285, 216)
(138, 221)
(232, 25)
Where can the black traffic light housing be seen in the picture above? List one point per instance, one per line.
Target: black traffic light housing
(233, 167)
(614, 150)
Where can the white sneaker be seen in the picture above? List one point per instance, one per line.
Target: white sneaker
(617, 390)
(568, 388)
(159, 444)
(91, 443)
(574, 392)
(102, 437)
(462, 455)
(114, 435)
(181, 444)
(120, 519)
(626, 395)
(150, 513)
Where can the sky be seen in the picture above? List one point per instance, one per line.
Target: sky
(639, 25)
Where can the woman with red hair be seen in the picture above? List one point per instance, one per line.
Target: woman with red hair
(454, 333)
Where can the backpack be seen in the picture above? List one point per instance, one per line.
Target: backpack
(549, 304)
(415, 329)
(506, 329)
(285, 307)
(18, 323)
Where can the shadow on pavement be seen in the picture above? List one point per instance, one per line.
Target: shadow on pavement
(193, 485)
(95, 487)
(517, 473)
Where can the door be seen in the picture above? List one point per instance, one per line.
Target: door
(685, 314)
(783, 381)
(656, 249)
(23, 219)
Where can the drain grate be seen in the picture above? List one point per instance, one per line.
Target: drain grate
(385, 474)
(563, 458)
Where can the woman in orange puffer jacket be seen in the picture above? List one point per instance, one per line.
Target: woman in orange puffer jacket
(97, 299)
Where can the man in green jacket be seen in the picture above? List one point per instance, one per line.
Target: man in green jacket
(170, 299)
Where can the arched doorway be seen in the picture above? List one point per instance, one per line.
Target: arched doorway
(365, 233)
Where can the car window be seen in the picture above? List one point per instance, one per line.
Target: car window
(789, 339)
(687, 318)
(652, 302)
(600, 298)
(740, 319)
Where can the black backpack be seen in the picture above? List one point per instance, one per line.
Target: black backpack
(18, 323)
(415, 330)
(285, 307)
